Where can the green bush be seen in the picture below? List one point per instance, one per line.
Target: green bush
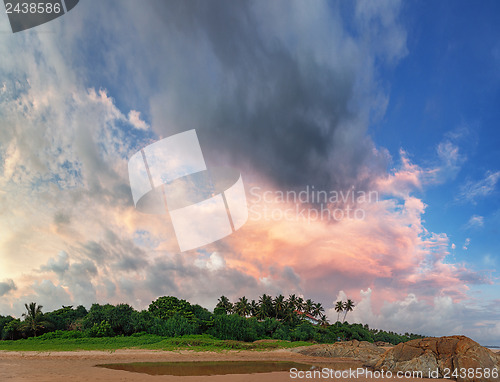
(168, 306)
(281, 334)
(233, 327)
(179, 325)
(303, 332)
(102, 329)
(13, 330)
(201, 313)
(66, 317)
(270, 326)
(97, 314)
(4, 321)
(121, 319)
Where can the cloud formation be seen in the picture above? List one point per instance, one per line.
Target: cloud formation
(283, 91)
(475, 221)
(474, 190)
(412, 314)
(288, 100)
(7, 286)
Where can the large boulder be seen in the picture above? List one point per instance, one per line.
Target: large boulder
(366, 352)
(454, 357)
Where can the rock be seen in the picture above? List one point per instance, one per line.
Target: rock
(363, 351)
(383, 344)
(443, 356)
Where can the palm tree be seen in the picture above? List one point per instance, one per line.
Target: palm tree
(292, 302)
(348, 306)
(266, 307)
(242, 307)
(339, 308)
(309, 306)
(324, 321)
(290, 314)
(279, 306)
(33, 318)
(254, 309)
(318, 310)
(225, 304)
(300, 304)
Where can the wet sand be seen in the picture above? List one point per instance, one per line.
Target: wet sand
(80, 365)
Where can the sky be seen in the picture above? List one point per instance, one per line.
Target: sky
(393, 103)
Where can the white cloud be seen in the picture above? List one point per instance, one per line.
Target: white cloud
(475, 221)
(410, 176)
(473, 190)
(214, 262)
(134, 118)
(465, 247)
(451, 161)
(379, 20)
(439, 316)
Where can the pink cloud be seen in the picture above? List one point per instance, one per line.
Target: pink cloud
(389, 249)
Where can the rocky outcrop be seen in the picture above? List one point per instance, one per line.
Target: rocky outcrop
(363, 351)
(455, 357)
(384, 344)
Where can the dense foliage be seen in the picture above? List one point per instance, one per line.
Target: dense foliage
(279, 318)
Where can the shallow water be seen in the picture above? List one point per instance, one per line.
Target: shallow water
(203, 368)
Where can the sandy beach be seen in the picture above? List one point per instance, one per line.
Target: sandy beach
(80, 365)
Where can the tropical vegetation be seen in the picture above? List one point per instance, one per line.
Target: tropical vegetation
(282, 319)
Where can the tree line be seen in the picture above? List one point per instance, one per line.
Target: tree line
(280, 308)
(243, 320)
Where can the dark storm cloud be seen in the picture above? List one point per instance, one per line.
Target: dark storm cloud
(279, 89)
(285, 115)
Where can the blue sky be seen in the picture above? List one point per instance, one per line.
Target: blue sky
(397, 98)
(449, 83)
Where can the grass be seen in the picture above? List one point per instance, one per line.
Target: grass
(143, 341)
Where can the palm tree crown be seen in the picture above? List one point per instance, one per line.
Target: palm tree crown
(339, 308)
(242, 307)
(224, 303)
(33, 317)
(348, 307)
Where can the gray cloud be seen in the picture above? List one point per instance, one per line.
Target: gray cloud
(61, 218)
(7, 286)
(58, 265)
(282, 89)
(78, 277)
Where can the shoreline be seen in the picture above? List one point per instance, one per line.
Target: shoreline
(81, 365)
